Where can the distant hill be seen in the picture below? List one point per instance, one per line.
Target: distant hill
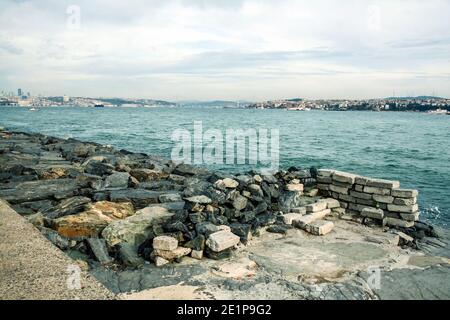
(418, 97)
(214, 103)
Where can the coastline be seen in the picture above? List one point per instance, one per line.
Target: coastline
(58, 185)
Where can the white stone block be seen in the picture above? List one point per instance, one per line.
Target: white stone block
(405, 193)
(165, 243)
(221, 240)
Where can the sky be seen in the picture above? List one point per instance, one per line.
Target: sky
(250, 50)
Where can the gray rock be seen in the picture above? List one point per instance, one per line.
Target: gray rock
(140, 198)
(61, 242)
(128, 255)
(118, 180)
(99, 249)
(67, 207)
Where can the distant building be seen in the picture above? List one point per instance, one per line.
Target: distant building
(66, 98)
(19, 92)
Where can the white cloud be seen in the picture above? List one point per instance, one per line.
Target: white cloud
(227, 49)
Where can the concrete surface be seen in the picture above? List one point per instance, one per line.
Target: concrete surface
(32, 268)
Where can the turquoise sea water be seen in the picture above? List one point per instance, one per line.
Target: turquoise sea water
(411, 147)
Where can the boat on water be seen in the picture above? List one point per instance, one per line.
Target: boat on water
(298, 109)
(99, 106)
(439, 111)
(32, 109)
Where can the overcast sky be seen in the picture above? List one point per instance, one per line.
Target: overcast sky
(226, 49)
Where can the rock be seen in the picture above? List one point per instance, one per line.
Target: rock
(138, 197)
(99, 249)
(277, 229)
(294, 187)
(197, 217)
(264, 220)
(165, 243)
(197, 254)
(255, 190)
(398, 223)
(113, 210)
(198, 199)
(404, 238)
(143, 175)
(222, 240)
(67, 207)
(319, 227)
(380, 183)
(257, 178)
(135, 229)
(206, 228)
(98, 168)
(343, 177)
(288, 218)
(244, 231)
(159, 261)
(289, 200)
(361, 195)
(40, 190)
(37, 220)
(226, 183)
(118, 180)
(372, 213)
(196, 244)
(171, 255)
(240, 203)
(128, 255)
(217, 255)
(383, 199)
(406, 209)
(170, 197)
(60, 241)
(404, 193)
(316, 207)
(312, 193)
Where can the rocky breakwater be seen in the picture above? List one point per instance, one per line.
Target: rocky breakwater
(109, 207)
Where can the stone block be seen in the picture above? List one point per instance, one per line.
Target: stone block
(360, 195)
(294, 187)
(344, 177)
(370, 202)
(325, 180)
(361, 180)
(325, 172)
(383, 199)
(288, 218)
(398, 223)
(372, 213)
(406, 209)
(331, 203)
(341, 190)
(376, 190)
(384, 184)
(319, 227)
(346, 198)
(159, 261)
(316, 207)
(300, 210)
(359, 188)
(165, 243)
(222, 240)
(310, 218)
(405, 201)
(410, 216)
(197, 254)
(172, 254)
(405, 193)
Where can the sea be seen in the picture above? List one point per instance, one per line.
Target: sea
(413, 148)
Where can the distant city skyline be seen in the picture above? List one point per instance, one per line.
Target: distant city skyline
(226, 49)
